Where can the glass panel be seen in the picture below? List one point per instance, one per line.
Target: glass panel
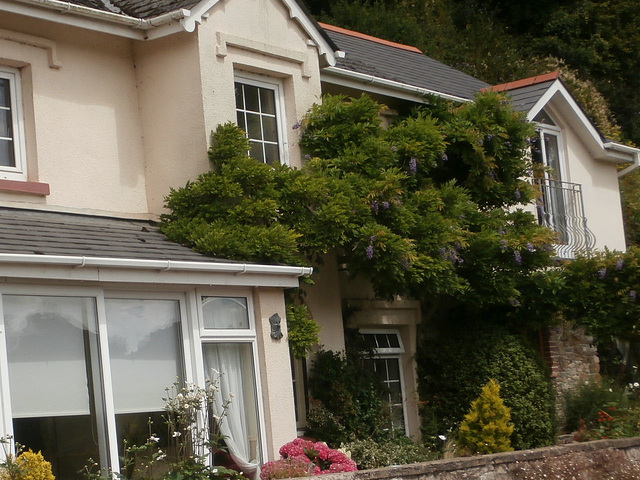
(251, 100)
(383, 340)
(56, 400)
(272, 153)
(543, 117)
(241, 122)
(145, 352)
(5, 93)
(394, 341)
(6, 123)
(393, 369)
(7, 158)
(254, 129)
(269, 128)
(239, 96)
(553, 155)
(234, 362)
(268, 101)
(225, 312)
(256, 151)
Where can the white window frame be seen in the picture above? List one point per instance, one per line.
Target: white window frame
(240, 336)
(262, 81)
(19, 171)
(100, 295)
(392, 353)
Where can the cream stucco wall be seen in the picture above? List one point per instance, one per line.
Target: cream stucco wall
(83, 129)
(275, 370)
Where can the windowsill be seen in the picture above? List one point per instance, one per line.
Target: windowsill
(29, 188)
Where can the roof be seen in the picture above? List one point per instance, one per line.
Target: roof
(525, 93)
(400, 63)
(52, 233)
(137, 8)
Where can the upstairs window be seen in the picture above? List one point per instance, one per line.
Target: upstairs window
(11, 129)
(259, 114)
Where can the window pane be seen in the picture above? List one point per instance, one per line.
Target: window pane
(241, 122)
(239, 96)
(256, 151)
(7, 158)
(144, 347)
(254, 129)
(54, 379)
(553, 155)
(6, 129)
(383, 340)
(225, 313)
(272, 153)
(234, 361)
(5, 93)
(269, 128)
(251, 101)
(268, 101)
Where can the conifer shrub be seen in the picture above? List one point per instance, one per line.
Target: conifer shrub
(487, 428)
(453, 367)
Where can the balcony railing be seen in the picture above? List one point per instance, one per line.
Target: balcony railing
(560, 207)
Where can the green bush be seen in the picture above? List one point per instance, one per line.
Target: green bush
(583, 406)
(351, 397)
(454, 365)
(368, 453)
(487, 428)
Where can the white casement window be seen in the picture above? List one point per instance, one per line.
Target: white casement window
(85, 370)
(12, 145)
(387, 363)
(228, 336)
(260, 113)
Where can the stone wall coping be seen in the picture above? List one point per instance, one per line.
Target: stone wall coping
(403, 472)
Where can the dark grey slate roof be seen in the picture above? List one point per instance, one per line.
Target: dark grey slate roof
(51, 233)
(523, 99)
(397, 64)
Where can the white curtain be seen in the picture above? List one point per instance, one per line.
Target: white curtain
(240, 426)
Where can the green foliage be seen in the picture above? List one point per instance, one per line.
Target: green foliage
(368, 453)
(454, 364)
(302, 330)
(584, 405)
(487, 428)
(350, 394)
(417, 208)
(602, 294)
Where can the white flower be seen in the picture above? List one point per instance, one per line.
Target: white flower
(442, 437)
(636, 384)
(154, 438)
(176, 434)
(215, 470)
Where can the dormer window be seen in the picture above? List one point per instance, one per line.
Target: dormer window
(11, 128)
(259, 113)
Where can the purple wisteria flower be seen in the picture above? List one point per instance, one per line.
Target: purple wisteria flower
(502, 231)
(530, 247)
(373, 238)
(489, 136)
(444, 157)
(503, 244)
(307, 157)
(619, 264)
(514, 302)
(369, 251)
(394, 148)
(386, 205)
(296, 125)
(633, 295)
(375, 206)
(517, 195)
(492, 175)
(406, 264)
(413, 165)
(602, 273)
(517, 257)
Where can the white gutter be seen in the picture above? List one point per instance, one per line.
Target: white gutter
(122, 19)
(162, 265)
(618, 147)
(390, 84)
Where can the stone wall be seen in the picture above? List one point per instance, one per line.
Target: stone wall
(574, 361)
(619, 459)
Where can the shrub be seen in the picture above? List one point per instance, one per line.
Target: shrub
(487, 428)
(584, 405)
(368, 453)
(286, 468)
(351, 398)
(453, 367)
(27, 466)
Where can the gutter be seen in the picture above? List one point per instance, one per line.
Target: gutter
(161, 265)
(390, 84)
(628, 150)
(121, 19)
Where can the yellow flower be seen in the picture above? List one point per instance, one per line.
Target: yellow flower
(33, 466)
